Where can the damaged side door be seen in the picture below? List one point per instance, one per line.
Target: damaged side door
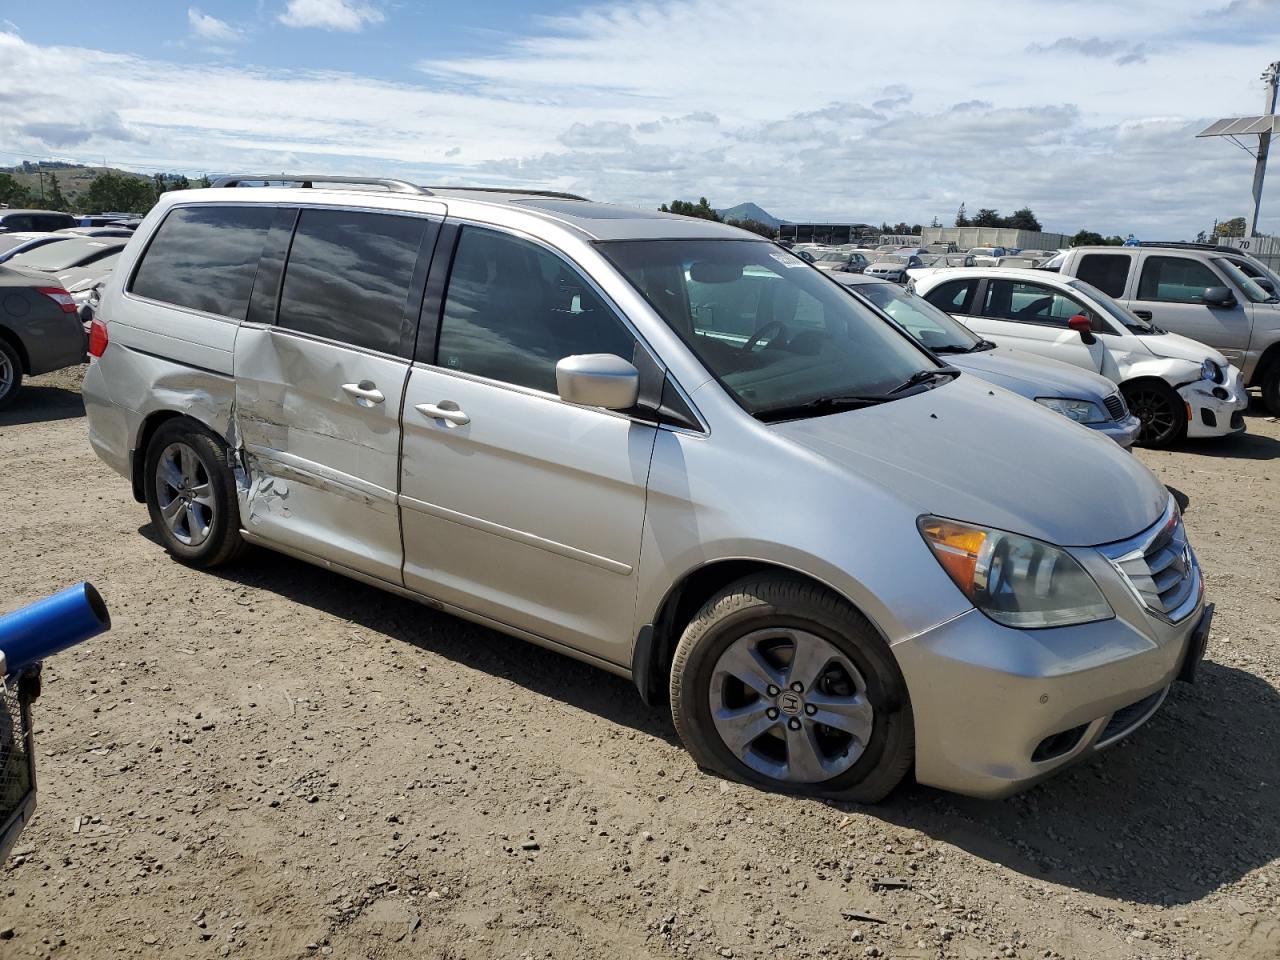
(320, 370)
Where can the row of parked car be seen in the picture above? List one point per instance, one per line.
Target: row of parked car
(804, 515)
(51, 264)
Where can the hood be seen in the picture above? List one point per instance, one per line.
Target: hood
(1031, 376)
(972, 452)
(1174, 346)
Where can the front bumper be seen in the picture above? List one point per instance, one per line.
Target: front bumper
(997, 709)
(1124, 432)
(1216, 410)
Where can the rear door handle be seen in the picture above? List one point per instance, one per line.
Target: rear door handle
(364, 390)
(1142, 314)
(445, 410)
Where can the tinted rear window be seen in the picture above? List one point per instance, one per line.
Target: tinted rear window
(205, 258)
(1106, 271)
(349, 276)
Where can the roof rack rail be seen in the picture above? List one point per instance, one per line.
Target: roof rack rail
(1187, 245)
(308, 181)
(553, 194)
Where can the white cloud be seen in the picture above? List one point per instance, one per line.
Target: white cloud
(330, 14)
(623, 103)
(211, 28)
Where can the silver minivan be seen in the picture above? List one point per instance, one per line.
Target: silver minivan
(837, 559)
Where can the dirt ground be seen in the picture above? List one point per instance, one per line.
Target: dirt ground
(273, 761)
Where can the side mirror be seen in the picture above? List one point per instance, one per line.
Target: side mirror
(1266, 284)
(1082, 325)
(1218, 297)
(598, 380)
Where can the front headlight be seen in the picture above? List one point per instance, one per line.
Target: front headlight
(1014, 580)
(1081, 411)
(1212, 372)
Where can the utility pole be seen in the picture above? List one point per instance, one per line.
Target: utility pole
(1271, 76)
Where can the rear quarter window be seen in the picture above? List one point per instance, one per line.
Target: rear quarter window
(205, 258)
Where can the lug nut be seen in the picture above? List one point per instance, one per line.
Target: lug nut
(773, 691)
(793, 723)
(810, 709)
(798, 687)
(772, 713)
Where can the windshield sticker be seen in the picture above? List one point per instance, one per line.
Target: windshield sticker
(787, 260)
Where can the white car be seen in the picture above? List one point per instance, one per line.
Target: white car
(1176, 386)
(987, 256)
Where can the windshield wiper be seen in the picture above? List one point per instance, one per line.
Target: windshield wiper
(816, 407)
(922, 377)
(953, 348)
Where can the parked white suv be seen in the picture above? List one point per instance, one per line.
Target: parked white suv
(1208, 293)
(586, 426)
(1176, 386)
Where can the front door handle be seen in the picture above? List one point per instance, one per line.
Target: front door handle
(364, 390)
(1142, 314)
(445, 410)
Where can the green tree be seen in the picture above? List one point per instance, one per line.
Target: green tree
(53, 198)
(962, 219)
(1230, 228)
(935, 223)
(204, 181)
(702, 210)
(755, 226)
(120, 192)
(1087, 238)
(12, 192)
(1023, 219)
(986, 217)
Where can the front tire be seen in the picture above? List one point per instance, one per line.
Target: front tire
(1161, 410)
(779, 683)
(10, 373)
(191, 494)
(1270, 388)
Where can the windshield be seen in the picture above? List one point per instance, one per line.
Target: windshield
(773, 331)
(1242, 280)
(922, 320)
(1120, 314)
(61, 256)
(894, 258)
(833, 257)
(1257, 270)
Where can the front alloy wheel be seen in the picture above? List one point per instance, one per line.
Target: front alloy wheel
(791, 706)
(1161, 411)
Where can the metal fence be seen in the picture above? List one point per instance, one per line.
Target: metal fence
(1266, 249)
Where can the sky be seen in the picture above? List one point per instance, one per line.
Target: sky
(839, 110)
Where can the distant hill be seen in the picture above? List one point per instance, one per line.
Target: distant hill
(749, 211)
(73, 178)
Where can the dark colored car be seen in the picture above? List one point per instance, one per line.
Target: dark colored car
(39, 330)
(29, 221)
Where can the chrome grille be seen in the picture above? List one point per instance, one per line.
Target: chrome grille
(1161, 567)
(1115, 407)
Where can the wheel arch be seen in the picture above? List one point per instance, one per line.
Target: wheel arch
(138, 456)
(656, 642)
(1270, 358)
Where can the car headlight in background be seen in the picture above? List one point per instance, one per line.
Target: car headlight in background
(1212, 372)
(1081, 411)
(1016, 581)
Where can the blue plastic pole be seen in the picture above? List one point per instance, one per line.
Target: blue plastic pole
(50, 625)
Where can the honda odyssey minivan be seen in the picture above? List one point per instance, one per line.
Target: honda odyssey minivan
(836, 558)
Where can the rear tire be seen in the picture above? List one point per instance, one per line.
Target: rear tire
(191, 494)
(732, 681)
(1270, 387)
(10, 373)
(1161, 410)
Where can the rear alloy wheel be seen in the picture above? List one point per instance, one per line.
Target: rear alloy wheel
(782, 684)
(191, 494)
(10, 373)
(1161, 411)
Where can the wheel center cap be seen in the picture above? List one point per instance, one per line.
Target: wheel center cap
(790, 703)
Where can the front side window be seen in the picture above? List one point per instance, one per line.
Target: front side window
(514, 309)
(954, 296)
(203, 258)
(1106, 271)
(1175, 280)
(1029, 303)
(776, 333)
(349, 275)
